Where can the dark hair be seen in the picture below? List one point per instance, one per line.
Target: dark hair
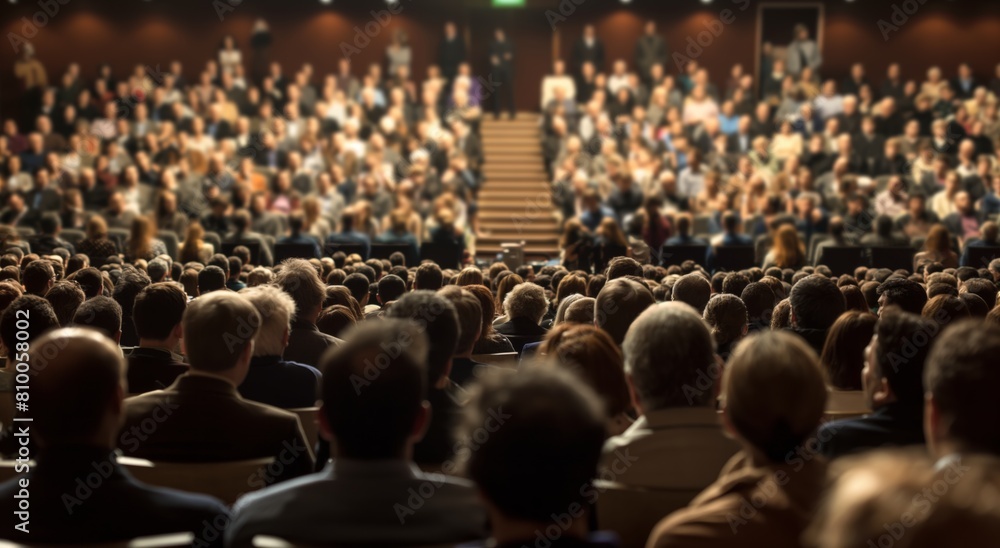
(335, 319)
(618, 305)
(428, 277)
(376, 421)
(905, 294)
(211, 278)
(37, 276)
(101, 313)
(65, 297)
(358, 284)
(962, 376)
(623, 266)
(984, 288)
(843, 355)
(42, 316)
(734, 283)
(549, 447)
(158, 309)
(390, 288)
(759, 300)
(91, 281)
(692, 289)
(816, 303)
(470, 316)
(439, 320)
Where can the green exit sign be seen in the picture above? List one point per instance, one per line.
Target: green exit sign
(508, 3)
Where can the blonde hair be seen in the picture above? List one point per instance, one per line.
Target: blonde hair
(276, 310)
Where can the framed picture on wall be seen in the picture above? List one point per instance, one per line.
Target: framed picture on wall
(791, 35)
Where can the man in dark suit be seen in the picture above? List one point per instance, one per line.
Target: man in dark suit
(741, 142)
(306, 344)
(588, 49)
(157, 314)
(452, 52)
(271, 379)
(77, 429)
(201, 417)
(502, 73)
(41, 198)
(48, 238)
(893, 385)
(524, 306)
(964, 83)
(650, 49)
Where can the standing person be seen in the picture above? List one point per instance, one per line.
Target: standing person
(802, 52)
(31, 72)
(452, 52)
(260, 41)
(588, 49)
(502, 72)
(398, 54)
(230, 57)
(651, 49)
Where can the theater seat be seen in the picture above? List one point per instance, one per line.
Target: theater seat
(503, 359)
(632, 512)
(168, 540)
(226, 481)
(308, 417)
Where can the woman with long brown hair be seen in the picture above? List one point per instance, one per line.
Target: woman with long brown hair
(142, 244)
(490, 342)
(937, 249)
(97, 245)
(504, 287)
(195, 248)
(787, 251)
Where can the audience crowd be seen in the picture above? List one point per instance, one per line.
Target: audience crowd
(773, 405)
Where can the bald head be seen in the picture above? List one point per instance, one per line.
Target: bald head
(62, 361)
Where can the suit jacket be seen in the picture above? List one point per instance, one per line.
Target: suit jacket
(781, 510)
(892, 425)
(362, 502)
(583, 53)
(799, 50)
(152, 369)
(306, 343)
(650, 50)
(451, 55)
(661, 443)
(284, 384)
(466, 370)
(204, 419)
(43, 244)
(521, 331)
(65, 510)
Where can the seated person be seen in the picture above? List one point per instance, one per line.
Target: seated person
(209, 421)
(364, 494)
(773, 397)
(893, 384)
(157, 313)
(549, 447)
(464, 369)
(271, 379)
(76, 432)
(677, 427)
(525, 306)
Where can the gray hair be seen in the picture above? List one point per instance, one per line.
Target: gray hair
(667, 350)
(564, 305)
(526, 300)
(276, 310)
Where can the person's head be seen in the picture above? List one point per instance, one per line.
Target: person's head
(759, 300)
(667, 349)
(299, 279)
(157, 270)
(894, 360)
(470, 317)
(103, 314)
(211, 278)
(986, 289)
(692, 289)
(429, 277)
(843, 355)
(590, 353)
(359, 286)
(623, 266)
(816, 303)
(527, 301)
(38, 277)
(901, 292)
(157, 313)
(788, 249)
(218, 334)
(439, 320)
(62, 414)
(938, 240)
(549, 446)
(961, 381)
(383, 416)
(276, 309)
(773, 394)
(390, 288)
(945, 309)
(336, 319)
(37, 309)
(618, 304)
(91, 281)
(726, 315)
(65, 297)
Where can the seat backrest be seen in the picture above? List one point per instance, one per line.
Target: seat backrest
(843, 259)
(980, 257)
(72, 235)
(348, 248)
(734, 257)
(760, 245)
(226, 481)
(702, 224)
(445, 255)
(293, 251)
(25, 232)
(893, 258)
(677, 254)
(503, 359)
(254, 247)
(214, 239)
(308, 418)
(118, 236)
(633, 512)
(814, 245)
(169, 239)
